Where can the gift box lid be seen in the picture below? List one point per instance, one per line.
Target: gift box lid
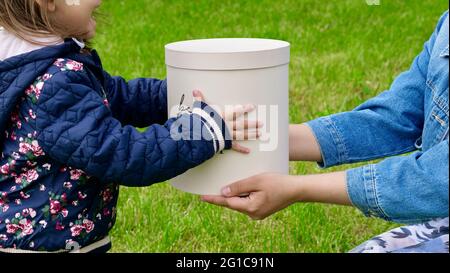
(227, 54)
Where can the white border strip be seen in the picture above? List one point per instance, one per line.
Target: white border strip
(212, 135)
(214, 125)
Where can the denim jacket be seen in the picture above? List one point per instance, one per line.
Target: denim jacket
(412, 116)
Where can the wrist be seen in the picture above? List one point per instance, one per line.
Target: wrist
(328, 188)
(296, 188)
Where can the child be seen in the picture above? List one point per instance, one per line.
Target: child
(68, 136)
(411, 116)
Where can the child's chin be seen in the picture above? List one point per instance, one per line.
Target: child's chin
(88, 35)
(91, 29)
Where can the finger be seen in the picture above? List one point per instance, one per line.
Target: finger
(242, 110)
(241, 187)
(245, 124)
(231, 112)
(237, 111)
(246, 135)
(239, 148)
(235, 203)
(241, 204)
(215, 200)
(198, 95)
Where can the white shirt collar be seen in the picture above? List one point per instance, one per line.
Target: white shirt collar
(81, 44)
(11, 45)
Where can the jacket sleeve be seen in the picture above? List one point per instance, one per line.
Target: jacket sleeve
(399, 188)
(77, 129)
(139, 102)
(389, 124)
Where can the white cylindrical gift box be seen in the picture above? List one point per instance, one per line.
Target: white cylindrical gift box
(234, 72)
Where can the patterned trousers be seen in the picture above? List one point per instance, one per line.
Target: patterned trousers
(429, 237)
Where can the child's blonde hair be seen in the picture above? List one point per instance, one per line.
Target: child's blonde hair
(27, 19)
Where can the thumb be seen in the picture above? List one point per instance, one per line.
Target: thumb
(241, 188)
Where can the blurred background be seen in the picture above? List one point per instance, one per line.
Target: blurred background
(343, 53)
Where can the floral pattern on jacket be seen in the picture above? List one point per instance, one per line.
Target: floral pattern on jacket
(27, 176)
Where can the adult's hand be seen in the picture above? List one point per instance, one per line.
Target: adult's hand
(262, 195)
(259, 196)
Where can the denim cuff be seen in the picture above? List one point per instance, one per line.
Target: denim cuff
(331, 143)
(362, 191)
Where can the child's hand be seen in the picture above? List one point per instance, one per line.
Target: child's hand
(241, 129)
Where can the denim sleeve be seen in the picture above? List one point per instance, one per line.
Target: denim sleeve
(399, 188)
(386, 125)
(139, 102)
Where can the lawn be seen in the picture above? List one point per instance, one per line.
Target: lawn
(343, 52)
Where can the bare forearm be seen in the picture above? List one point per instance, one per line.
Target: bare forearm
(303, 145)
(323, 188)
(328, 188)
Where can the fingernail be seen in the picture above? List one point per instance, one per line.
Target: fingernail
(226, 191)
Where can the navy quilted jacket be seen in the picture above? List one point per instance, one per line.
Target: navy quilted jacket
(68, 141)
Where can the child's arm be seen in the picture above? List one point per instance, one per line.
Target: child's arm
(76, 128)
(139, 102)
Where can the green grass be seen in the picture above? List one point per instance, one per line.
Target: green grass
(343, 52)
